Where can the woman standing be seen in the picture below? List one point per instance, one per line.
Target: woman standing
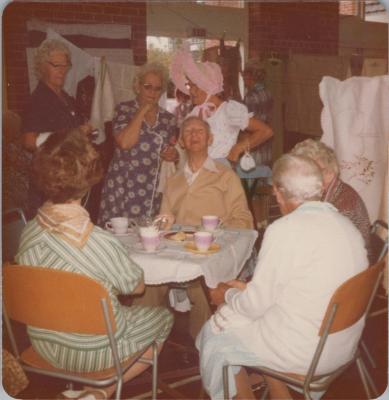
(50, 108)
(204, 83)
(144, 135)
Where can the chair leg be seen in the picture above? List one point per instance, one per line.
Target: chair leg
(369, 379)
(363, 377)
(307, 394)
(265, 393)
(155, 372)
(368, 355)
(225, 382)
(119, 386)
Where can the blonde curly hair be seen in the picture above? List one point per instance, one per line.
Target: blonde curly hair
(154, 68)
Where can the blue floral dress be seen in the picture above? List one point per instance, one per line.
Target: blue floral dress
(130, 186)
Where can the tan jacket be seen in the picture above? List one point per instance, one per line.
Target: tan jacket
(212, 193)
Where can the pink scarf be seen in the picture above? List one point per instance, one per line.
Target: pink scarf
(70, 221)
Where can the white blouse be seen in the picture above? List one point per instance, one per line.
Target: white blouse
(226, 122)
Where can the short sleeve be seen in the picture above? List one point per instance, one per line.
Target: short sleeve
(123, 114)
(237, 114)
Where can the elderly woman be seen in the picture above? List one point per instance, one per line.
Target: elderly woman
(144, 135)
(204, 83)
(202, 187)
(274, 319)
(62, 236)
(336, 192)
(50, 108)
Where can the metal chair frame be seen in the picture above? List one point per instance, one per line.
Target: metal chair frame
(382, 253)
(23, 284)
(12, 231)
(330, 324)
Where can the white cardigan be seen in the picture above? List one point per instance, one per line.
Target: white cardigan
(304, 257)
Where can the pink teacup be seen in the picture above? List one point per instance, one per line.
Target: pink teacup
(203, 240)
(210, 222)
(150, 238)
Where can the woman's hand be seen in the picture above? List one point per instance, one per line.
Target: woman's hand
(170, 153)
(166, 221)
(237, 284)
(217, 295)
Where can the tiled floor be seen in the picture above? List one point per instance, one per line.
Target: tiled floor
(188, 386)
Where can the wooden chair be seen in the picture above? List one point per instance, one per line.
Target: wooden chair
(350, 302)
(65, 302)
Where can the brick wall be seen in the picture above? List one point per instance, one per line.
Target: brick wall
(348, 7)
(299, 27)
(15, 38)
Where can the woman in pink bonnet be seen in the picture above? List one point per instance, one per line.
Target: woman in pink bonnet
(203, 81)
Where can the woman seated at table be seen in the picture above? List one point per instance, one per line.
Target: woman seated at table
(342, 196)
(274, 319)
(61, 236)
(202, 187)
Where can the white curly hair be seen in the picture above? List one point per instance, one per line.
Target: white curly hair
(43, 53)
(298, 178)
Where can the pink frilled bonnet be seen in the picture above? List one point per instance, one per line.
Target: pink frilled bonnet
(206, 75)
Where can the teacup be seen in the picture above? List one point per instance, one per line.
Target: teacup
(118, 225)
(203, 240)
(210, 222)
(150, 238)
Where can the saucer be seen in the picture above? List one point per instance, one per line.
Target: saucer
(213, 248)
(138, 247)
(129, 231)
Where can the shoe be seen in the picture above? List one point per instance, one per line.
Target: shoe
(83, 394)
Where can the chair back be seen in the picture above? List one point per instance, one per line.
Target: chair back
(14, 222)
(353, 299)
(55, 300)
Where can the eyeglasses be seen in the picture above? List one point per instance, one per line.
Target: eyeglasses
(150, 87)
(192, 131)
(60, 66)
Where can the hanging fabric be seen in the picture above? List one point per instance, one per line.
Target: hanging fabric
(355, 122)
(103, 103)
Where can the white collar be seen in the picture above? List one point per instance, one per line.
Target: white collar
(190, 176)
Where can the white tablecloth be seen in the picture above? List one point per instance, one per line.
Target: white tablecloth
(175, 264)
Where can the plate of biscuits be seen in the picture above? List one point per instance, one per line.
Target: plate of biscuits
(179, 236)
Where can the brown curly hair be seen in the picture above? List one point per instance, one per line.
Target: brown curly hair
(66, 166)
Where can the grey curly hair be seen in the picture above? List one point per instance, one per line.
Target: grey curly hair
(299, 178)
(43, 53)
(319, 152)
(155, 68)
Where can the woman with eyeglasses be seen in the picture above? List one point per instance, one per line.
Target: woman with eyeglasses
(50, 108)
(144, 135)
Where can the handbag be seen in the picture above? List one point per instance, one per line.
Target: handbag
(247, 162)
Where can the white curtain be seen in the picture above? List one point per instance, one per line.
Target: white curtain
(355, 123)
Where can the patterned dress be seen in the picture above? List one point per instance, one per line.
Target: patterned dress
(347, 200)
(130, 186)
(260, 102)
(104, 259)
